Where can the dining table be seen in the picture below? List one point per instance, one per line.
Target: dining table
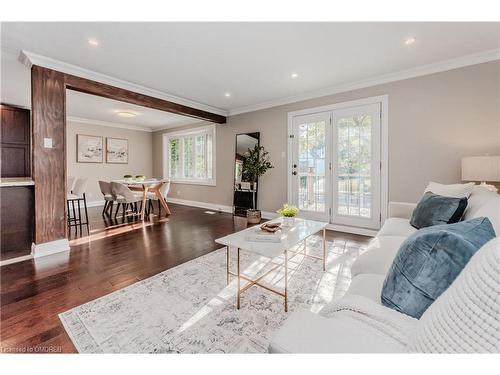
(145, 187)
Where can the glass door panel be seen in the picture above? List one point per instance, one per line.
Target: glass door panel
(356, 164)
(309, 165)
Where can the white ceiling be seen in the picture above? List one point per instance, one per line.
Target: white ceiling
(84, 107)
(252, 61)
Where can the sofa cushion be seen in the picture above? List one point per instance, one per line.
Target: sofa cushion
(368, 285)
(436, 209)
(428, 262)
(307, 332)
(466, 317)
(378, 256)
(395, 226)
(451, 190)
(484, 202)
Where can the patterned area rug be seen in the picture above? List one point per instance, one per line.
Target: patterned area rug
(191, 309)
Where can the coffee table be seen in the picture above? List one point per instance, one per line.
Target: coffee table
(290, 236)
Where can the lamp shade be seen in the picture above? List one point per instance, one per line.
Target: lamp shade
(481, 168)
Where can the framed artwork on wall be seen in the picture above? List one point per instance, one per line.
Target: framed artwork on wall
(89, 148)
(116, 151)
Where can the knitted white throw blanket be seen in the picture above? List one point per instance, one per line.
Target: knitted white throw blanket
(464, 319)
(388, 322)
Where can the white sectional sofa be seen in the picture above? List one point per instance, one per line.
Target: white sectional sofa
(359, 322)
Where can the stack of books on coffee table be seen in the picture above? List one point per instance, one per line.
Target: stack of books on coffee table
(258, 234)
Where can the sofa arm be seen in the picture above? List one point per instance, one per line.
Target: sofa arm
(401, 209)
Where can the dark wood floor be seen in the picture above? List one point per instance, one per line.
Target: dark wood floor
(116, 254)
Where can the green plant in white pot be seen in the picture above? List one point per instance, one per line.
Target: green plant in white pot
(288, 212)
(256, 162)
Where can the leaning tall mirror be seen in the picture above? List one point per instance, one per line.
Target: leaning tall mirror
(245, 189)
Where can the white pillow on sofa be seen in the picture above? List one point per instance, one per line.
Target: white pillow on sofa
(451, 190)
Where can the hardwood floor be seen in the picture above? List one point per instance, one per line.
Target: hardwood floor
(116, 254)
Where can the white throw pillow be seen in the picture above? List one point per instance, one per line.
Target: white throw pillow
(466, 317)
(479, 197)
(452, 190)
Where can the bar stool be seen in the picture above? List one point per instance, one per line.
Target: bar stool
(77, 196)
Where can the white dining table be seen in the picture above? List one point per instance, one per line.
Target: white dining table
(146, 186)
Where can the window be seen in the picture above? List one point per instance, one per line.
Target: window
(189, 155)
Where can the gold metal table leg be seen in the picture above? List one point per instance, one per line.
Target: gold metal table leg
(324, 249)
(238, 267)
(286, 281)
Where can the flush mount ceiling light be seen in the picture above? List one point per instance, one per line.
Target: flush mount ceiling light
(126, 114)
(410, 41)
(294, 75)
(227, 94)
(93, 42)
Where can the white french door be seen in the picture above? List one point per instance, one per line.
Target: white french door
(310, 182)
(335, 165)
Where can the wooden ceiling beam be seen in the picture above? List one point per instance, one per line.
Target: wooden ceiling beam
(88, 86)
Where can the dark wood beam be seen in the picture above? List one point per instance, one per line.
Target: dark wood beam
(48, 105)
(101, 89)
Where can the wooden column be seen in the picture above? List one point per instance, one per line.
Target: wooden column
(48, 101)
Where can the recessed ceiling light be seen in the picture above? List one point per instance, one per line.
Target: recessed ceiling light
(294, 75)
(93, 42)
(227, 94)
(410, 41)
(126, 114)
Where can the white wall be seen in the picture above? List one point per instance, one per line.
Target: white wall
(140, 156)
(434, 121)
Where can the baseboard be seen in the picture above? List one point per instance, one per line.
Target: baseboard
(268, 215)
(15, 260)
(209, 206)
(49, 248)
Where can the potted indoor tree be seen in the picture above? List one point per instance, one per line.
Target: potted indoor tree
(255, 164)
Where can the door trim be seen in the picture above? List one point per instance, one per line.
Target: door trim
(384, 143)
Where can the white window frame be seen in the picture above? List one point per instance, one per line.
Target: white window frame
(193, 132)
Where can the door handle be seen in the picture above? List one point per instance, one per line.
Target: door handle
(294, 173)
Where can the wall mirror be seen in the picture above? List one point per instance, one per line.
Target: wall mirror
(245, 190)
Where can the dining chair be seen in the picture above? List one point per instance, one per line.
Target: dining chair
(125, 197)
(77, 196)
(164, 189)
(108, 197)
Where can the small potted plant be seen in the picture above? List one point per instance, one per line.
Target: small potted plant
(288, 212)
(256, 163)
(128, 178)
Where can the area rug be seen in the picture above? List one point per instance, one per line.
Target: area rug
(192, 309)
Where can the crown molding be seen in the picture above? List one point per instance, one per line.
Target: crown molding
(29, 59)
(423, 70)
(88, 121)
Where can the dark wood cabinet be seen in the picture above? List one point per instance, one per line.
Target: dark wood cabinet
(15, 141)
(17, 205)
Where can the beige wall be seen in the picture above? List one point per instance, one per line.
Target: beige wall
(140, 156)
(434, 120)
